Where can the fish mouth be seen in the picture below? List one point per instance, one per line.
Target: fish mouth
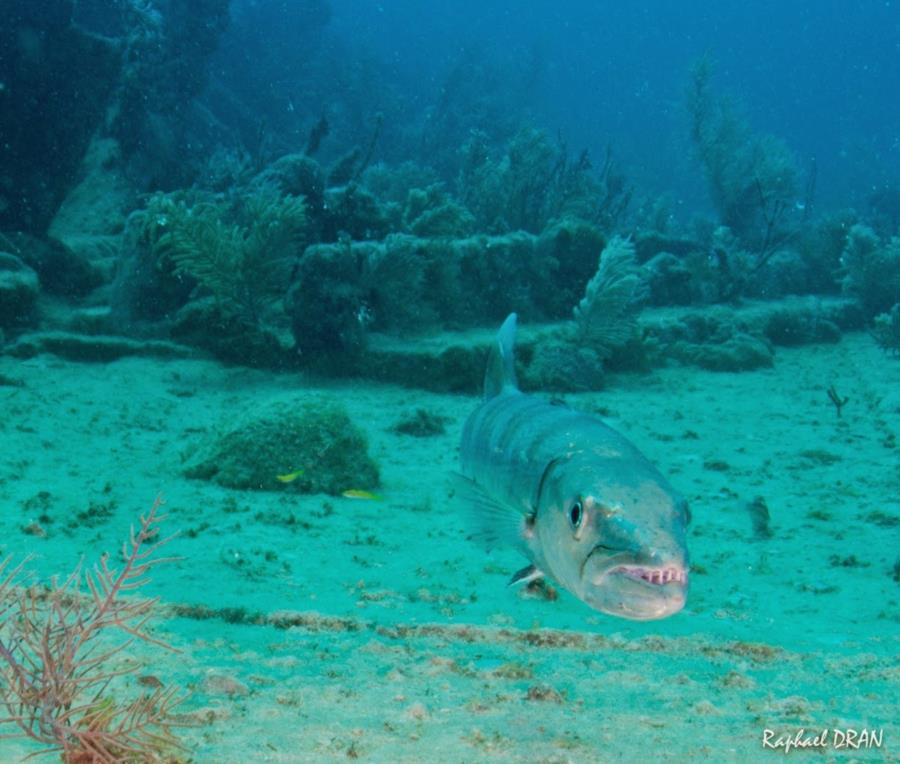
(637, 592)
(653, 575)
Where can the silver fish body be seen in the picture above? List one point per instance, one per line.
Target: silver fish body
(574, 496)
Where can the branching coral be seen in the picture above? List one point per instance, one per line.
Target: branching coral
(535, 182)
(430, 212)
(752, 178)
(58, 656)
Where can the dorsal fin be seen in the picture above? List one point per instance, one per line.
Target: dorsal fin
(501, 369)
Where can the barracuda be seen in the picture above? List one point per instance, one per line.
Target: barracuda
(586, 508)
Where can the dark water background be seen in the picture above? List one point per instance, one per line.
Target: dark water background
(823, 76)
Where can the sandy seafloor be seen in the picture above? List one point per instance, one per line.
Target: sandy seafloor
(434, 658)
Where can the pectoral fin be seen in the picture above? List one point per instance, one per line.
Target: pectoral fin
(525, 576)
(494, 523)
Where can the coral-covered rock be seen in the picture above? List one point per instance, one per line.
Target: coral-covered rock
(741, 352)
(295, 175)
(421, 423)
(202, 323)
(430, 212)
(301, 446)
(327, 303)
(498, 275)
(668, 279)
(571, 246)
(792, 325)
(786, 272)
(886, 330)
(648, 244)
(561, 364)
(93, 348)
(352, 211)
(872, 269)
(146, 288)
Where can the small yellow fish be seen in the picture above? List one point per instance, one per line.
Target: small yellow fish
(355, 493)
(290, 476)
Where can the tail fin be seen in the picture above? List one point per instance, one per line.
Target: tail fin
(501, 371)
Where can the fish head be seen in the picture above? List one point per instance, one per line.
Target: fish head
(617, 544)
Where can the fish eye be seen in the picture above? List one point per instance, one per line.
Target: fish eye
(576, 514)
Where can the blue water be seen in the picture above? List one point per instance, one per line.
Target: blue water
(821, 75)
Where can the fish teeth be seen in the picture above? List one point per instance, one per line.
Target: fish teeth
(656, 576)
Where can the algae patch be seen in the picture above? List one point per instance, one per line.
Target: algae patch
(317, 440)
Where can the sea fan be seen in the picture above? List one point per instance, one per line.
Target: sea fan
(606, 316)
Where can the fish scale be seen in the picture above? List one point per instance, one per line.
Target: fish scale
(512, 437)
